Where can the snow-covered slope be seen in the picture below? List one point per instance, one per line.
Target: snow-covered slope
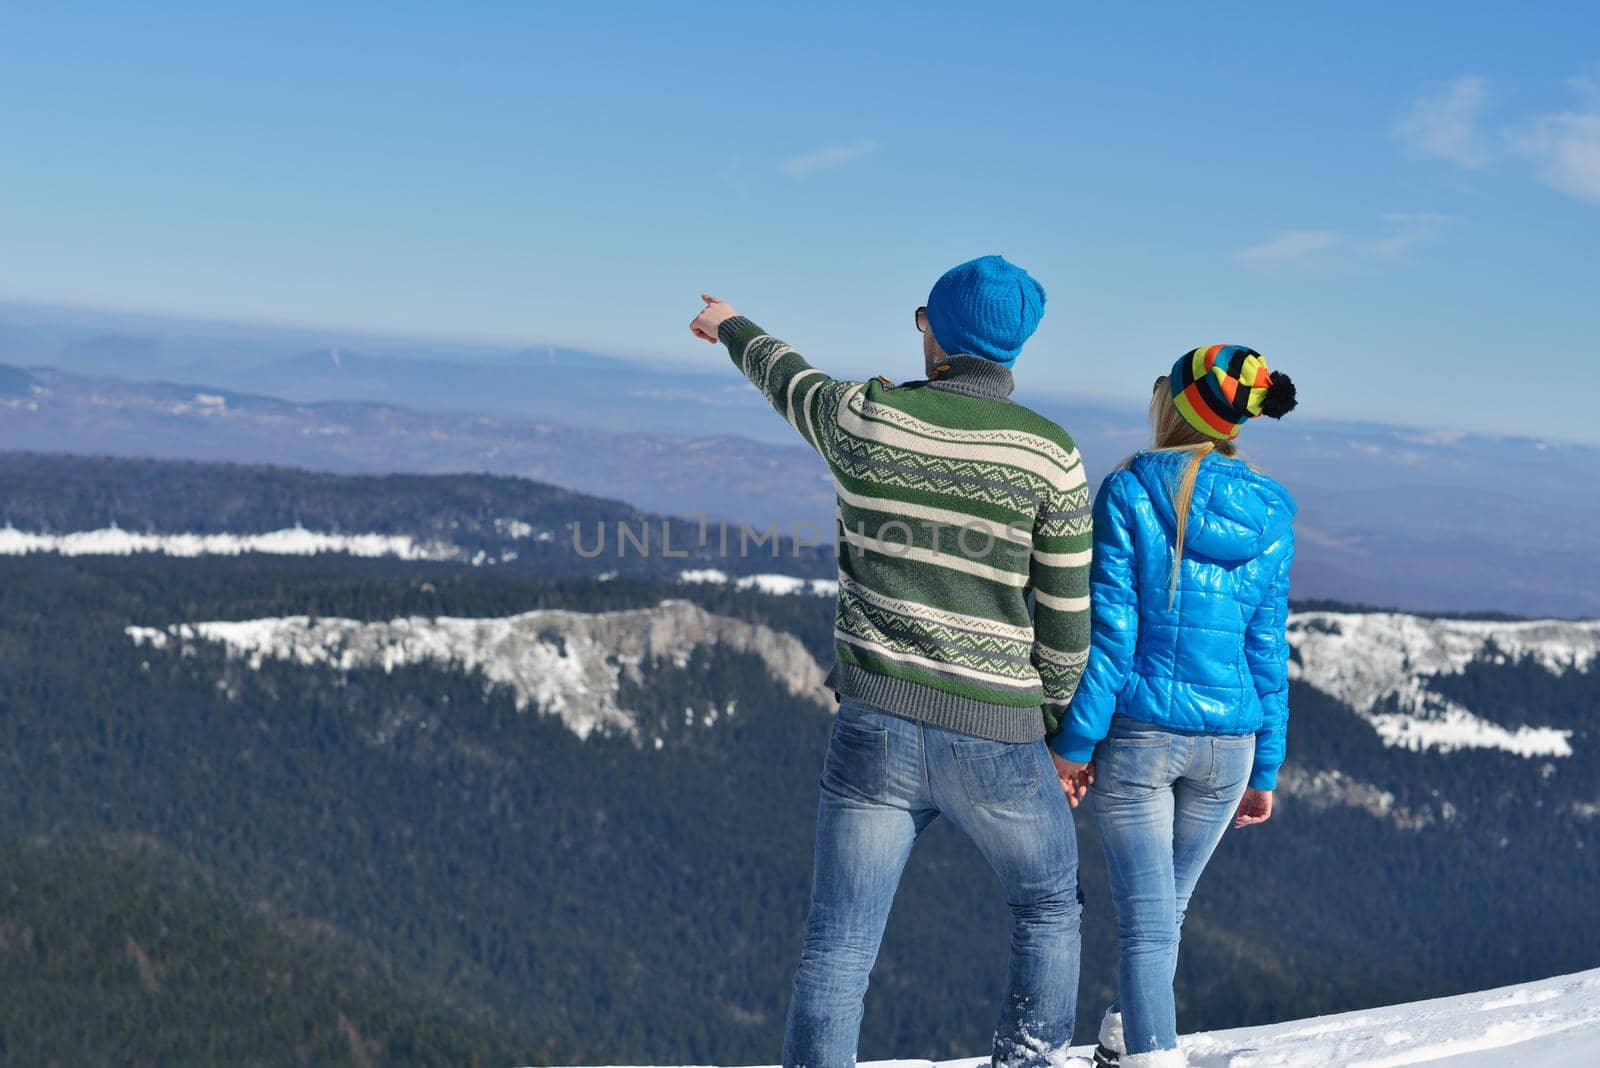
(1379, 664)
(1552, 1023)
(777, 585)
(569, 664)
(290, 541)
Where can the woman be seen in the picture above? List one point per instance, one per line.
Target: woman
(1183, 705)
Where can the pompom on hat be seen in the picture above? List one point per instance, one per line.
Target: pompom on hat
(1216, 388)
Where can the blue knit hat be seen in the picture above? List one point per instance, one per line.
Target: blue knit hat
(985, 307)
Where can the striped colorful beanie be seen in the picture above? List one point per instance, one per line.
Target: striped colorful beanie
(1217, 387)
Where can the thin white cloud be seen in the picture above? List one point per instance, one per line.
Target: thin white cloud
(1563, 145)
(1566, 145)
(1291, 248)
(1401, 232)
(1407, 230)
(829, 158)
(1446, 123)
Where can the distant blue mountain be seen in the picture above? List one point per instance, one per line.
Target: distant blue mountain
(563, 385)
(14, 381)
(1398, 516)
(309, 364)
(142, 346)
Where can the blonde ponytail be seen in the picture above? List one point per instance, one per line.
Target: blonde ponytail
(1174, 434)
(1180, 503)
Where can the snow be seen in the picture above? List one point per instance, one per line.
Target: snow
(783, 585)
(1546, 1022)
(291, 541)
(704, 575)
(568, 664)
(779, 585)
(519, 529)
(1380, 664)
(1323, 789)
(1384, 660)
(151, 636)
(202, 403)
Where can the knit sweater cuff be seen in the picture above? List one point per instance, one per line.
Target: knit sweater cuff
(736, 332)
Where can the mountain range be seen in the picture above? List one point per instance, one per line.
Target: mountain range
(1421, 520)
(571, 809)
(1388, 516)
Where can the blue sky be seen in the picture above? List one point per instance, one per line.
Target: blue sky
(1399, 207)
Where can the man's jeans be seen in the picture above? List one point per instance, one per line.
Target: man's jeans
(1161, 801)
(884, 781)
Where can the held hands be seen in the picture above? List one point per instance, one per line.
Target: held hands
(1255, 807)
(711, 316)
(1075, 778)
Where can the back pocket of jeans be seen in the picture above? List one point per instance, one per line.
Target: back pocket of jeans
(997, 775)
(1233, 757)
(1139, 761)
(857, 761)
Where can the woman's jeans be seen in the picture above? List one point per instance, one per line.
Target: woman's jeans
(885, 779)
(1161, 801)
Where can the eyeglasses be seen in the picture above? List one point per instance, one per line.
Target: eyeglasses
(921, 319)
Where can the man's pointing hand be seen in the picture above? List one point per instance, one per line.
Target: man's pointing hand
(711, 316)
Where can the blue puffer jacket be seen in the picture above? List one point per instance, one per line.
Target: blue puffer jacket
(1217, 661)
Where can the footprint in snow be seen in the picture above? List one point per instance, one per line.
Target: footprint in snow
(1520, 997)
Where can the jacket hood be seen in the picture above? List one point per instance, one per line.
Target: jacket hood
(1235, 512)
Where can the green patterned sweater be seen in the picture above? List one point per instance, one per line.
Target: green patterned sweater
(958, 510)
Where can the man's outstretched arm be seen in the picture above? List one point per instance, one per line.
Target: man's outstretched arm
(790, 384)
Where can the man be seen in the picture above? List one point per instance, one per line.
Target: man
(955, 505)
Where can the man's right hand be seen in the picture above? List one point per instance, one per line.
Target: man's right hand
(711, 316)
(1075, 778)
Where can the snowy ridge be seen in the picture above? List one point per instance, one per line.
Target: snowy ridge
(568, 664)
(1320, 790)
(1379, 660)
(557, 661)
(290, 541)
(779, 585)
(1383, 660)
(1550, 1023)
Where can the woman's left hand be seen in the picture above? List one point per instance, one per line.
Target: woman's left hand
(1254, 807)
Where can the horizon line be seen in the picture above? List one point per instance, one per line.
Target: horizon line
(511, 346)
